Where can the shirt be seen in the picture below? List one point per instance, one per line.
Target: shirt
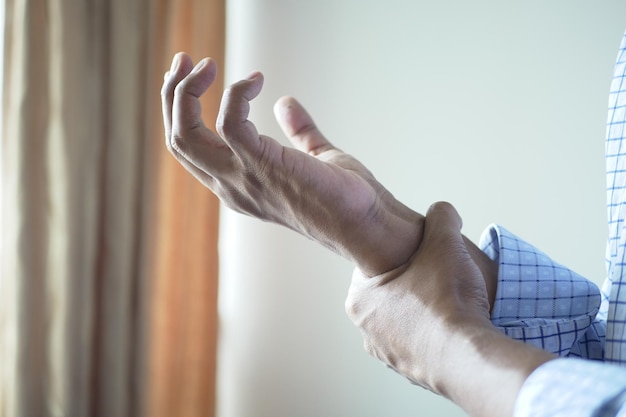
(540, 302)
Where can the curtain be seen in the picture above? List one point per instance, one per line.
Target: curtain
(109, 270)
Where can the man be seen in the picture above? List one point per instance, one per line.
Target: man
(427, 300)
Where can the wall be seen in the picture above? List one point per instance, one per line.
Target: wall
(496, 106)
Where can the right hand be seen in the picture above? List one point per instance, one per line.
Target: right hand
(314, 189)
(408, 316)
(429, 321)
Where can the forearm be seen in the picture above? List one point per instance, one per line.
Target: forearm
(483, 370)
(430, 322)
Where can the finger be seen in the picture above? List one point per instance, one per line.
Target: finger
(442, 222)
(187, 123)
(232, 121)
(190, 138)
(197, 148)
(181, 66)
(299, 127)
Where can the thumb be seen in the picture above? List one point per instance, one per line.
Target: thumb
(299, 127)
(442, 223)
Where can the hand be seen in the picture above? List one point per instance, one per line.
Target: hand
(406, 315)
(429, 321)
(315, 189)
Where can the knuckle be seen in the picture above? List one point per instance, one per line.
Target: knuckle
(168, 87)
(222, 124)
(227, 124)
(228, 91)
(187, 87)
(175, 144)
(234, 110)
(229, 96)
(235, 89)
(353, 308)
(350, 307)
(181, 87)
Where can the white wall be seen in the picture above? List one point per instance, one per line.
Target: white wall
(496, 106)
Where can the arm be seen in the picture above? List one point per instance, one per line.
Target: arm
(315, 189)
(430, 322)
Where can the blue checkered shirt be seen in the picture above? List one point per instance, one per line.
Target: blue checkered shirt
(549, 306)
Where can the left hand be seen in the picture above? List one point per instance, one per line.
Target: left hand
(315, 189)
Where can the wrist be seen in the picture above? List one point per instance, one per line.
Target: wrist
(386, 241)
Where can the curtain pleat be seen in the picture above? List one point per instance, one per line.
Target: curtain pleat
(184, 312)
(109, 259)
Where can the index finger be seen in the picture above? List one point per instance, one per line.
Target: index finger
(232, 122)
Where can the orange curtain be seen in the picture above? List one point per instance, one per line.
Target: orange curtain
(109, 250)
(183, 331)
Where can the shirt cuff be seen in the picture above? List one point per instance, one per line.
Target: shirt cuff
(573, 387)
(538, 301)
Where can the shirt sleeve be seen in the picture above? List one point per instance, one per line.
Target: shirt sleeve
(540, 302)
(573, 387)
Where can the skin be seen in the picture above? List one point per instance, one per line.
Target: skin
(314, 188)
(421, 293)
(429, 321)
